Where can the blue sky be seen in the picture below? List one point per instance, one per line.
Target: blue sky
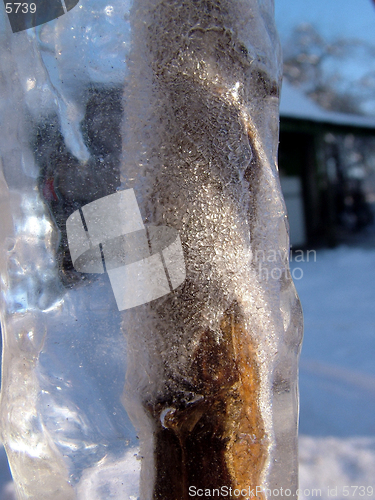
(334, 18)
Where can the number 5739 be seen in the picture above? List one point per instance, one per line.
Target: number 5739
(23, 8)
(360, 490)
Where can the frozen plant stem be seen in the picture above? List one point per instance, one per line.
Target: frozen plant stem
(212, 366)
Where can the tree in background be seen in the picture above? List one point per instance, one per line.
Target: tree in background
(339, 75)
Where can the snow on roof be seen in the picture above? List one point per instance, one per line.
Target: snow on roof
(294, 104)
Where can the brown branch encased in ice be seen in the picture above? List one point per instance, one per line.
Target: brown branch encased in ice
(200, 138)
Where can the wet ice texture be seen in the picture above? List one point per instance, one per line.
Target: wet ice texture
(64, 349)
(199, 137)
(200, 144)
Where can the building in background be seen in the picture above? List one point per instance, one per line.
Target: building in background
(327, 156)
(327, 167)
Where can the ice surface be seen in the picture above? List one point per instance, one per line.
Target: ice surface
(200, 146)
(206, 376)
(337, 442)
(65, 351)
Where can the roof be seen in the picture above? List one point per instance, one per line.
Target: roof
(294, 104)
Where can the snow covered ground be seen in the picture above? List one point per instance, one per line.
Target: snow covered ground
(337, 375)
